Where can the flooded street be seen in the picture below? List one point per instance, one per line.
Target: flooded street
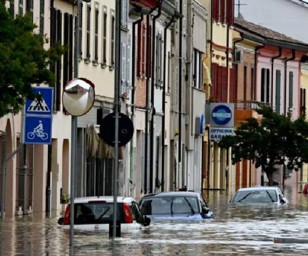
(234, 231)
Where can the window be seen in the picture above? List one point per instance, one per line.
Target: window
(56, 37)
(252, 83)
(278, 91)
(80, 30)
(128, 61)
(141, 50)
(21, 7)
(124, 13)
(96, 34)
(290, 90)
(112, 40)
(42, 16)
(12, 8)
(68, 42)
(265, 85)
(123, 68)
(197, 69)
(88, 46)
(29, 7)
(104, 37)
(303, 101)
(245, 86)
(223, 11)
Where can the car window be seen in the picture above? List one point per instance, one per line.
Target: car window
(91, 213)
(256, 196)
(169, 205)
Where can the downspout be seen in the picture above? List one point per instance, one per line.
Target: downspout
(148, 64)
(272, 75)
(152, 99)
(227, 64)
(164, 106)
(285, 80)
(209, 141)
(135, 23)
(180, 91)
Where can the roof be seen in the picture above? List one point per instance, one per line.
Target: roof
(174, 193)
(259, 188)
(108, 199)
(260, 33)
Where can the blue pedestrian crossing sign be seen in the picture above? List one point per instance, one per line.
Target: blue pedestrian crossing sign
(42, 105)
(38, 117)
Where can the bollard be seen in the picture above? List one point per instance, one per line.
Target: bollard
(118, 229)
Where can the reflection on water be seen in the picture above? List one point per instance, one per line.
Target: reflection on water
(234, 231)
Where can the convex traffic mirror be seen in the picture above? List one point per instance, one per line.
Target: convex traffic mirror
(78, 96)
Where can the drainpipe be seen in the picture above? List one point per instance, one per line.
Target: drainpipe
(272, 75)
(164, 106)
(227, 64)
(152, 99)
(285, 80)
(148, 65)
(135, 23)
(180, 91)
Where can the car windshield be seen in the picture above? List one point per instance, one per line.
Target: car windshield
(170, 205)
(256, 196)
(96, 212)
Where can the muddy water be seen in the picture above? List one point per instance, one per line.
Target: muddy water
(234, 231)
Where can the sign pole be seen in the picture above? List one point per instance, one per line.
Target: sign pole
(74, 134)
(117, 73)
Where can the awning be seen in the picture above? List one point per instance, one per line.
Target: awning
(96, 147)
(206, 75)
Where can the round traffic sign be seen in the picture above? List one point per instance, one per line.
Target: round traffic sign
(222, 114)
(107, 129)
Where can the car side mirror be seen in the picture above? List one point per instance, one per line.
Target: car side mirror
(146, 221)
(60, 221)
(205, 209)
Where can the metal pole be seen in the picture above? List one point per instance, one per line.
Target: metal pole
(117, 74)
(74, 131)
(3, 145)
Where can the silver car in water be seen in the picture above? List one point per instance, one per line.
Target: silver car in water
(262, 195)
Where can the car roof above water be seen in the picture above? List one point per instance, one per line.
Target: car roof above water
(259, 188)
(107, 199)
(173, 194)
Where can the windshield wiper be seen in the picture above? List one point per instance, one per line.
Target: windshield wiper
(103, 214)
(244, 197)
(270, 196)
(191, 208)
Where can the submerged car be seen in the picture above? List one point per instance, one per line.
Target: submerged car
(175, 206)
(268, 195)
(96, 213)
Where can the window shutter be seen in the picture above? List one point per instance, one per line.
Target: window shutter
(128, 63)
(290, 89)
(278, 93)
(215, 10)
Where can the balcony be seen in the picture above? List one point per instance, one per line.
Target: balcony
(246, 109)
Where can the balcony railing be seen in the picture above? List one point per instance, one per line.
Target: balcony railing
(248, 105)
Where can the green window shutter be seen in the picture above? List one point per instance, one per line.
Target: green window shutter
(278, 93)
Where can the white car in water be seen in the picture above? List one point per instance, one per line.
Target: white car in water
(96, 213)
(267, 195)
